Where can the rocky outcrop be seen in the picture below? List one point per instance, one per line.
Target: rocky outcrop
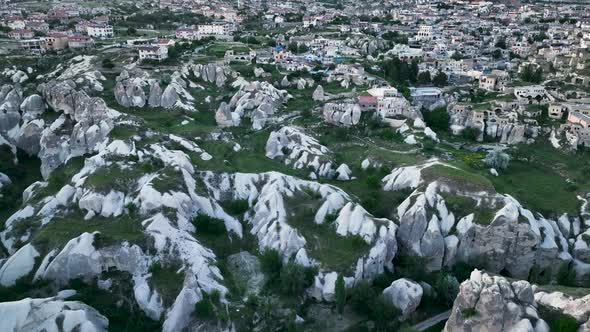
(135, 88)
(80, 258)
(506, 130)
(492, 303)
(86, 122)
(318, 94)
(32, 106)
(367, 45)
(18, 265)
(300, 150)
(579, 308)
(405, 295)
(51, 314)
(246, 269)
(258, 101)
(342, 114)
(212, 73)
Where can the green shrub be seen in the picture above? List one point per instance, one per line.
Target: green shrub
(438, 119)
(209, 225)
(566, 275)
(447, 288)
(470, 134)
(564, 323)
(412, 267)
(362, 294)
(237, 207)
(340, 293)
(469, 312)
(296, 278)
(271, 263)
(373, 182)
(204, 309)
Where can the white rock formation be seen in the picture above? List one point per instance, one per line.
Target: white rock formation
(51, 314)
(404, 294)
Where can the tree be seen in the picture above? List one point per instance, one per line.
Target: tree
(457, 55)
(131, 31)
(497, 54)
(438, 119)
(340, 294)
(447, 288)
(501, 43)
(295, 278)
(424, 77)
(531, 73)
(566, 275)
(108, 63)
(497, 159)
(471, 134)
(440, 79)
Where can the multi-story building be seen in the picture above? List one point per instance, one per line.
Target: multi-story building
(157, 53)
(56, 41)
(99, 30)
(21, 34)
(79, 41)
(35, 46)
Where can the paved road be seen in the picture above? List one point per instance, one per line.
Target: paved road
(430, 322)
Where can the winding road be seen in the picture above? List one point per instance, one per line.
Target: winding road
(430, 322)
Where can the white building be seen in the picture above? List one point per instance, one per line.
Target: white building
(532, 93)
(213, 29)
(100, 30)
(391, 106)
(157, 53)
(424, 33)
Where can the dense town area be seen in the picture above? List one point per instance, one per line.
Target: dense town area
(260, 165)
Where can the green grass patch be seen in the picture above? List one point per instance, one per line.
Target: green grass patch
(21, 175)
(335, 252)
(61, 229)
(113, 177)
(167, 280)
(462, 206)
(457, 178)
(211, 233)
(537, 188)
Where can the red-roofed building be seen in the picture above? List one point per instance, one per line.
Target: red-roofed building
(367, 103)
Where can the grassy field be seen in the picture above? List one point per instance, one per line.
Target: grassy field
(538, 188)
(61, 229)
(458, 178)
(462, 206)
(335, 252)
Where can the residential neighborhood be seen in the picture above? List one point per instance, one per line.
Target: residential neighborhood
(300, 165)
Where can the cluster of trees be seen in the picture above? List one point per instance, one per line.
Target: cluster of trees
(440, 79)
(532, 73)
(395, 37)
(438, 119)
(179, 48)
(400, 73)
(250, 40)
(501, 43)
(289, 279)
(297, 48)
(163, 20)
